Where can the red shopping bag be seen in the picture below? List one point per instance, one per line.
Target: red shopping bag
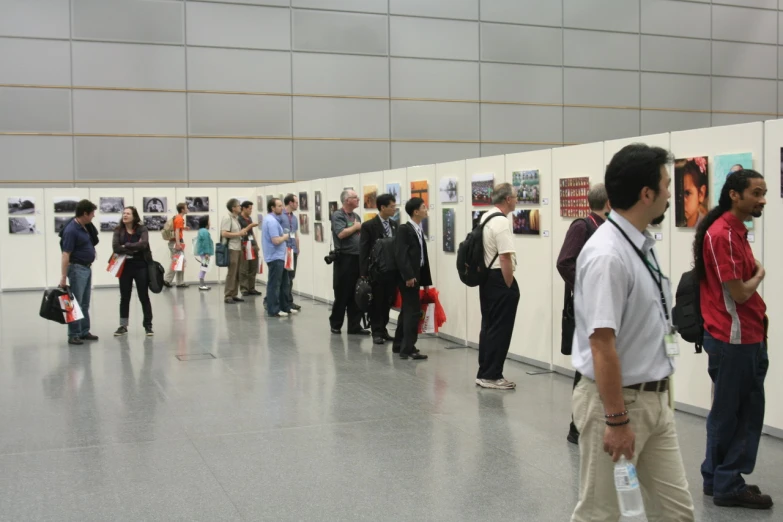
(249, 251)
(289, 258)
(116, 264)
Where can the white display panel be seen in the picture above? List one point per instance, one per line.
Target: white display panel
(334, 186)
(260, 209)
(532, 338)
(303, 282)
(148, 195)
(65, 199)
(23, 253)
(108, 201)
(321, 288)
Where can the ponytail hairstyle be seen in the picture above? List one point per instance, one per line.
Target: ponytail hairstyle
(736, 181)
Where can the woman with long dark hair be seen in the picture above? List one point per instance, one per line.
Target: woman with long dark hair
(131, 239)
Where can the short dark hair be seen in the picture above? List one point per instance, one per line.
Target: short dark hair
(288, 199)
(635, 167)
(246, 204)
(272, 203)
(413, 205)
(233, 202)
(384, 200)
(85, 207)
(181, 207)
(203, 221)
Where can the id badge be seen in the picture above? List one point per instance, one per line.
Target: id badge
(672, 348)
(293, 235)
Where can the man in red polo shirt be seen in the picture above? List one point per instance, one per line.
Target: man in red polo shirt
(734, 339)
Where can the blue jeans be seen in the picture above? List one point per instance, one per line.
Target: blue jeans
(80, 281)
(737, 415)
(278, 285)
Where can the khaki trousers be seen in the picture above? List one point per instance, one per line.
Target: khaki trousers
(657, 458)
(247, 273)
(232, 278)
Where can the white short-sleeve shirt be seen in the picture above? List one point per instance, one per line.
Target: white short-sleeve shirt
(498, 239)
(615, 290)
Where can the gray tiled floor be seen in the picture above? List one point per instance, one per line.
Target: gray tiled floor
(287, 423)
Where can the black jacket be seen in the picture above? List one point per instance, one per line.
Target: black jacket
(372, 230)
(409, 256)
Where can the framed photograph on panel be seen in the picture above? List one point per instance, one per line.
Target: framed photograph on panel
(21, 225)
(370, 193)
(64, 205)
(573, 197)
(155, 205)
(111, 205)
(22, 205)
(448, 190)
(481, 187)
(395, 190)
(318, 205)
(526, 222)
(448, 230)
(319, 232)
(198, 204)
(526, 185)
(691, 191)
(304, 204)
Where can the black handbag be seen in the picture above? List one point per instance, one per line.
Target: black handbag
(221, 254)
(568, 323)
(155, 272)
(50, 304)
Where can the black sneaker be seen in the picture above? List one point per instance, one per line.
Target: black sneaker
(752, 488)
(167, 284)
(122, 330)
(75, 340)
(148, 331)
(745, 498)
(89, 337)
(296, 307)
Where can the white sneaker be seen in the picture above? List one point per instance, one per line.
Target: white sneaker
(281, 314)
(204, 288)
(499, 384)
(292, 312)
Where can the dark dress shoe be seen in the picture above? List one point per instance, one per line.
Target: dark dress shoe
(573, 435)
(254, 292)
(395, 349)
(746, 499)
(237, 299)
(379, 340)
(89, 337)
(387, 336)
(296, 306)
(75, 340)
(360, 331)
(416, 356)
(335, 330)
(750, 487)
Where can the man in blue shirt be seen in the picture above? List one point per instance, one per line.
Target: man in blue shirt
(274, 244)
(78, 254)
(290, 222)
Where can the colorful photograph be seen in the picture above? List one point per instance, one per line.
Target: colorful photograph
(448, 230)
(481, 188)
(154, 223)
(332, 209)
(304, 224)
(395, 190)
(724, 165)
(319, 232)
(396, 216)
(156, 205)
(21, 225)
(59, 224)
(370, 193)
(22, 205)
(526, 184)
(477, 217)
(420, 189)
(691, 191)
(304, 204)
(526, 222)
(448, 190)
(573, 197)
(318, 205)
(64, 205)
(368, 216)
(111, 205)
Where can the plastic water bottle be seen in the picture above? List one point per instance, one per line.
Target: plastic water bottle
(627, 485)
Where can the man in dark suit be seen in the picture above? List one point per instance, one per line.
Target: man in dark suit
(414, 267)
(382, 290)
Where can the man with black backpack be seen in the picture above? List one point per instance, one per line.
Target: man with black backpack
(383, 285)
(578, 234)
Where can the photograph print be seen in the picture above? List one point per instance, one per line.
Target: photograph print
(332, 209)
(198, 204)
(722, 167)
(573, 197)
(318, 205)
(192, 221)
(304, 224)
(111, 205)
(22, 205)
(319, 232)
(691, 191)
(155, 205)
(448, 190)
(368, 216)
(154, 223)
(109, 223)
(21, 225)
(477, 217)
(59, 223)
(396, 216)
(64, 205)
(481, 188)
(420, 189)
(370, 193)
(395, 190)
(304, 204)
(260, 221)
(526, 184)
(526, 222)
(448, 230)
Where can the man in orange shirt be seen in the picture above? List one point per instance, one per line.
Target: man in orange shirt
(176, 246)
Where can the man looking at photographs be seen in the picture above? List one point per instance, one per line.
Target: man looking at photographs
(346, 227)
(290, 222)
(248, 268)
(382, 290)
(177, 247)
(275, 240)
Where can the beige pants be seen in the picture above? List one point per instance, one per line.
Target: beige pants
(657, 458)
(232, 278)
(247, 273)
(171, 274)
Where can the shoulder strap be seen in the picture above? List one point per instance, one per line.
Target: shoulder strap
(497, 254)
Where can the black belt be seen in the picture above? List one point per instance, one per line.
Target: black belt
(654, 386)
(81, 263)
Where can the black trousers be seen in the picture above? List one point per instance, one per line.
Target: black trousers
(346, 273)
(408, 321)
(498, 313)
(135, 270)
(382, 300)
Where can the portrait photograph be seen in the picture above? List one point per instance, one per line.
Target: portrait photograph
(332, 208)
(481, 187)
(319, 232)
(111, 205)
(21, 225)
(526, 185)
(526, 222)
(448, 190)
(22, 205)
(304, 224)
(370, 193)
(155, 205)
(691, 191)
(198, 204)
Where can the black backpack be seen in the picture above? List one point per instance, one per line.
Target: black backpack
(471, 267)
(363, 295)
(383, 263)
(686, 315)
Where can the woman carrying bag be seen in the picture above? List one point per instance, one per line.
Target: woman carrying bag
(131, 239)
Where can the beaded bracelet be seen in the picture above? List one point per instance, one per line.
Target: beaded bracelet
(613, 415)
(615, 424)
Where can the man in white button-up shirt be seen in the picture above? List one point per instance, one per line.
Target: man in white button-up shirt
(624, 348)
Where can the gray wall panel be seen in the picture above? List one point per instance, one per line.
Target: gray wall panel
(654, 122)
(239, 115)
(124, 112)
(675, 91)
(744, 95)
(608, 15)
(676, 18)
(239, 70)
(734, 119)
(98, 64)
(596, 49)
(521, 123)
(679, 55)
(37, 157)
(417, 78)
(341, 118)
(744, 25)
(521, 44)
(136, 159)
(741, 59)
(522, 83)
(38, 18)
(429, 38)
(340, 32)
(599, 87)
(586, 125)
(533, 12)
(323, 159)
(496, 149)
(435, 120)
(367, 6)
(318, 73)
(225, 25)
(35, 110)
(765, 4)
(274, 3)
(41, 62)
(150, 21)
(465, 9)
(252, 160)
(412, 154)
